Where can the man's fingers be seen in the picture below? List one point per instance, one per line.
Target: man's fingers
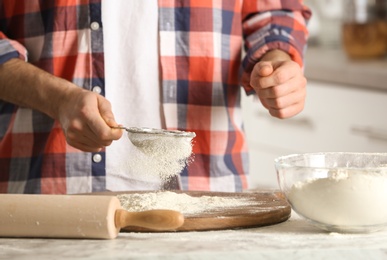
(285, 101)
(260, 70)
(288, 111)
(280, 72)
(100, 123)
(108, 116)
(284, 89)
(264, 69)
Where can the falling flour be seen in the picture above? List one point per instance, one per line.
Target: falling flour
(343, 199)
(184, 203)
(159, 156)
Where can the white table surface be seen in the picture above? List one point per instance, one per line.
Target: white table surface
(293, 239)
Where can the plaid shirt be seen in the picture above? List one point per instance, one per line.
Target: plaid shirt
(200, 56)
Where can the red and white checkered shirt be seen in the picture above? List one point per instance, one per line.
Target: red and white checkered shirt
(201, 66)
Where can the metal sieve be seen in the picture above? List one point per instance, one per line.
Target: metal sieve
(137, 135)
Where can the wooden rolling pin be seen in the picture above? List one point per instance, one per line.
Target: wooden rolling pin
(76, 216)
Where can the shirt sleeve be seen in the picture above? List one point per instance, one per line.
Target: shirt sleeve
(10, 49)
(272, 24)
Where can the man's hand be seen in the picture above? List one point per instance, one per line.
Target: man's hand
(86, 119)
(280, 84)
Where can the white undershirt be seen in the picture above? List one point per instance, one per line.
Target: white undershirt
(132, 83)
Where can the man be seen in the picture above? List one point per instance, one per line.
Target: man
(163, 64)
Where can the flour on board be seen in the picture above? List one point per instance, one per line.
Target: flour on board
(184, 203)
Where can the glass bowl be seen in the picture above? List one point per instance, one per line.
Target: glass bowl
(337, 191)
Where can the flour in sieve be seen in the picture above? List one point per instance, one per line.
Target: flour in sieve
(184, 203)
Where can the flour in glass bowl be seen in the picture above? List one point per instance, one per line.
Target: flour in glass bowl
(343, 199)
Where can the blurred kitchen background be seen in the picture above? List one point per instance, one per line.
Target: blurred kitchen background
(346, 105)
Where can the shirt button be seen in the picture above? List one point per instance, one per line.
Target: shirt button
(97, 89)
(97, 158)
(94, 26)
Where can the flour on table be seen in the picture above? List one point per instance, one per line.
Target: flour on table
(184, 203)
(343, 199)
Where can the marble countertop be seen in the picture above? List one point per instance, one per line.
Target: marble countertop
(332, 65)
(293, 239)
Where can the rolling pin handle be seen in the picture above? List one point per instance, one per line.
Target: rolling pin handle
(161, 220)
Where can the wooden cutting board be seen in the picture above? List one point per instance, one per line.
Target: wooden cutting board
(266, 208)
